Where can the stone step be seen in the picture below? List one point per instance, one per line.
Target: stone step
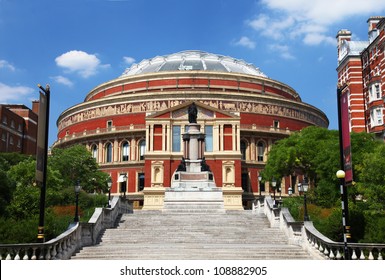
(157, 235)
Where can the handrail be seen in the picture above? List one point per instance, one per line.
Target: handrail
(61, 247)
(318, 245)
(72, 240)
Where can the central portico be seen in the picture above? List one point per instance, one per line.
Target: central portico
(192, 185)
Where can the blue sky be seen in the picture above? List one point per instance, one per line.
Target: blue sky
(75, 45)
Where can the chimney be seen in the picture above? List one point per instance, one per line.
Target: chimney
(342, 36)
(35, 106)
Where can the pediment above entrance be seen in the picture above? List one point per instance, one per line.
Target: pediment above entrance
(180, 112)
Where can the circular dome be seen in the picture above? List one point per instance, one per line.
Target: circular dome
(193, 61)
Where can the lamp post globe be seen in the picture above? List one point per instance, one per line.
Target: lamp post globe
(340, 174)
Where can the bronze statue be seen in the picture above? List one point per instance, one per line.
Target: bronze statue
(192, 113)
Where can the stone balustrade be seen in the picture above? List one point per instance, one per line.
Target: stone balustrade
(72, 240)
(306, 235)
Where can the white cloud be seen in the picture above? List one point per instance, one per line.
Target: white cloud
(128, 60)
(63, 80)
(10, 94)
(80, 62)
(310, 20)
(282, 51)
(246, 42)
(6, 65)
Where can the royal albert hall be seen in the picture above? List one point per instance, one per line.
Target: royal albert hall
(134, 125)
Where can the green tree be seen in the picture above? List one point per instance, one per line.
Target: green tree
(372, 183)
(77, 164)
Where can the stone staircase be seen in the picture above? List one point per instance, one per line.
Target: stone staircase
(237, 235)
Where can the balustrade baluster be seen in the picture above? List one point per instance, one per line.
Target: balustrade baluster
(362, 256)
(17, 256)
(371, 257)
(8, 257)
(320, 248)
(54, 252)
(326, 252)
(48, 254)
(379, 255)
(339, 255)
(26, 257)
(331, 255)
(354, 256)
(33, 257)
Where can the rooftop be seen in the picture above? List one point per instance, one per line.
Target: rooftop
(193, 61)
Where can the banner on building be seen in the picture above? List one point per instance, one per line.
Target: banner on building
(344, 121)
(41, 152)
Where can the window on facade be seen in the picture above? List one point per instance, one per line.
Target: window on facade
(176, 138)
(142, 149)
(243, 149)
(19, 128)
(4, 136)
(140, 182)
(260, 151)
(374, 92)
(18, 143)
(109, 125)
(209, 138)
(94, 152)
(5, 121)
(11, 140)
(125, 151)
(376, 117)
(108, 151)
(377, 90)
(276, 124)
(12, 123)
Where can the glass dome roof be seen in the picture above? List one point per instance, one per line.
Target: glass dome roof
(193, 61)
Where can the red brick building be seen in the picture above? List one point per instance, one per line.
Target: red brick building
(361, 70)
(18, 128)
(133, 125)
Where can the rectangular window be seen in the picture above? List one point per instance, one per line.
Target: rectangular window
(176, 138)
(140, 182)
(109, 125)
(209, 138)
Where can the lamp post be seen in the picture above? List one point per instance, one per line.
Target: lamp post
(125, 185)
(259, 185)
(274, 185)
(305, 187)
(109, 184)
(290, 190)
(344, 204)
(77, 191)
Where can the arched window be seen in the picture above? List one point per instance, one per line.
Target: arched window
(94, 151)
(125, 151)
(243, 149)
(108, 152)
(142, 149)
(260, 151)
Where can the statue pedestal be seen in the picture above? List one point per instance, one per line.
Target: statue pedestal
(193, 200)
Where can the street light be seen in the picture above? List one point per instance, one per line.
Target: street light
(125, 184)
(305, 187)
(274, 184)
(77, 191)
(109, 184)
(341, 176)
(259, 185)
(290, 191)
